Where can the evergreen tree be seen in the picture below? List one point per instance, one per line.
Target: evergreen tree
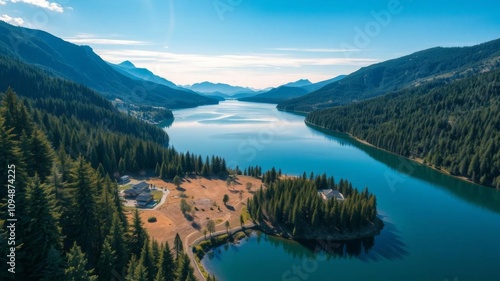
(146, 261)
(138, 235)
(178, 247)
(76, 266)
(54, 266)
(43, 232)
(84, 229)
(117, 243)
(166, 267)
(106, 263)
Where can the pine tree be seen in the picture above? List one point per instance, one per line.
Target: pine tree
(138, 235)
(84, 228)
(166, 267)
(117, 243)
(54, 266)
(146, 261)
(184, 267)
(43, 231)
(178, 247)
(106, 262)
(76, 266)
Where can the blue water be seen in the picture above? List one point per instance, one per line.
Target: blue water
(437, 227)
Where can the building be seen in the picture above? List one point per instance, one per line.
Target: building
(327, 194)
(124, 179)
(137, 189)
(144, 198)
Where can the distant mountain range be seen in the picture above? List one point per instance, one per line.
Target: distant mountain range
(289, 91)
(128, 69)
(446, 64)
(81, 65)
(218, 88)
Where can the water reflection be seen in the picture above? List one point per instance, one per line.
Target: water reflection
(386, 246)
(481, 196)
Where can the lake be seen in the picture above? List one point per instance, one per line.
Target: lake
(436, 227)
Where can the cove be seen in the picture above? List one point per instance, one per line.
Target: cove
(436, 227)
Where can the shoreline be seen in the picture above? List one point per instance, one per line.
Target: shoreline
(415, 160)
(369, 231)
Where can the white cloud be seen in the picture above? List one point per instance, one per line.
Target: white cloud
(254, 70)
(231, 61)
(2, 2)
(52, 6)
(11, 20)
(89, 39)
(315, 50)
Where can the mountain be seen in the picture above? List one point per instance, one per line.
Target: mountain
(277, 95)
(299, 83)
(128, 69)
(209, 87)
(289, 91)
(453, 126)
(409, 71)
(81, 65)
(321, 84)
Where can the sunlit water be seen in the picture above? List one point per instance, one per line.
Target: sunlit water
(436, 227)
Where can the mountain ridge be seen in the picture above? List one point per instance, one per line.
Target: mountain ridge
(81, 65)
(436, 63)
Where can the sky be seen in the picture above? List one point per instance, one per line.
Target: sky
(257, 43)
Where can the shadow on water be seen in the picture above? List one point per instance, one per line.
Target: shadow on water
(481, 196)
(166, 123)
(386, 246)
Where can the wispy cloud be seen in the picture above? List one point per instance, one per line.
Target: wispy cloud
(90, 39)
(231, 61)
(315, 50)
(2, 2)
(11, 20)
(255, 70)
(52, 6)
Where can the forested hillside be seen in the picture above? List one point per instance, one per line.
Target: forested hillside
(69, 219)
(445, 64)
(81, 65)
(277, 95)
(68, 144)
(453, 126)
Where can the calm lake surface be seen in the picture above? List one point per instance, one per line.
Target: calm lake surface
(436, 227)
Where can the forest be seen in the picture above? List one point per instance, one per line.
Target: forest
(70, 221)
(68, 144)
(293, 204)
(451, 126)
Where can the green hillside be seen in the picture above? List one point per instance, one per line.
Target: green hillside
(433, 64)
(452, 126)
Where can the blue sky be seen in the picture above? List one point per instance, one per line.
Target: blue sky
(257, 43)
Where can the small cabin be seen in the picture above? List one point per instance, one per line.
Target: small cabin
(327, 194)
(124, 179)
(137, 189)
(144, 199)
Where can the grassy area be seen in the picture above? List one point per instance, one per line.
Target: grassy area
(125, 187)
(245, 214)
(157, 195)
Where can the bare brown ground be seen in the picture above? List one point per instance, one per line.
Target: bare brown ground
(204, 194)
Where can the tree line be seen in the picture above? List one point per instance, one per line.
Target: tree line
(452, 126)
(294, 204)
(71, 225)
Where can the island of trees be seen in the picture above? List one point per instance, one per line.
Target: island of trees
(294, 208)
